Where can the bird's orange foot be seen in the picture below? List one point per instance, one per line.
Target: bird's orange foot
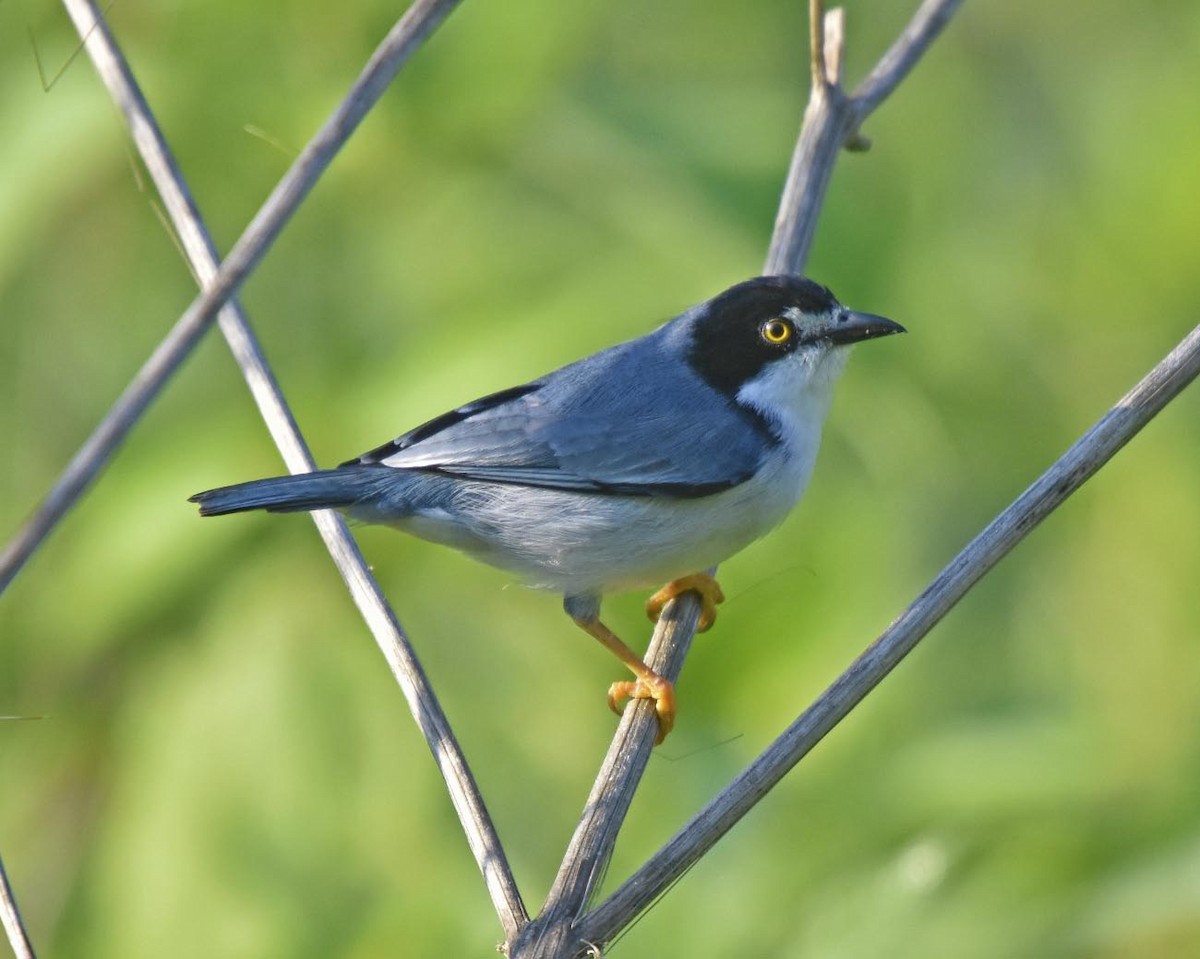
(702, 585)
(655, 687)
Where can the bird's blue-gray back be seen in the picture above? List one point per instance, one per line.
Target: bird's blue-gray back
(582, 429)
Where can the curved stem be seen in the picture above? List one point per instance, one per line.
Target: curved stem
(10, 918)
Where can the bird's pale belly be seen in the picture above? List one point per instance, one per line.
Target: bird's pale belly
(587, 543)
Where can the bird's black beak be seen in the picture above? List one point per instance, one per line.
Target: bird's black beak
(851, 327)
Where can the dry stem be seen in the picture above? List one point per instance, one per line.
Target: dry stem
(830, 120)
(10, 918)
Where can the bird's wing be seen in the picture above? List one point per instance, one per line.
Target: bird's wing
(650, 431)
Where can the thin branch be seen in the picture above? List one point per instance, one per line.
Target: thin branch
(587, 855)
(10, 918)
(115, 72)
(418, 22)
(829, 121)
(816, 43)
(835, 39)
(1071, 471)
(930, 19)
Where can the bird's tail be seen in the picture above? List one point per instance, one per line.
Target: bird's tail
(323, 489)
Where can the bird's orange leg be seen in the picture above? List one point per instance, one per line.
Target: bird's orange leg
(648, 685)
(702, 584)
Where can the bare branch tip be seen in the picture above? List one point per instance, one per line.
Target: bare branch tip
(835, 41)
(816, 38)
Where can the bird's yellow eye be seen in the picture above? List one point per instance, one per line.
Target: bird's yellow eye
(776, 332)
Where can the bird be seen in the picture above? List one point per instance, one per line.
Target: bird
(650, 461)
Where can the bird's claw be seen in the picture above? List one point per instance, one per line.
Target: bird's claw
(654, 687)
(704, 586)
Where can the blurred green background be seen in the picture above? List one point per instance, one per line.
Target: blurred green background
(224, 766)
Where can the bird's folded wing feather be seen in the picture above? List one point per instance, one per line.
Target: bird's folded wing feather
(583, 433)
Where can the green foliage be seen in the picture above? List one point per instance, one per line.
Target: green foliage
(225, 768)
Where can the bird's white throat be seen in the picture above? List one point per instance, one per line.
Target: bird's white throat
(794, 393)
